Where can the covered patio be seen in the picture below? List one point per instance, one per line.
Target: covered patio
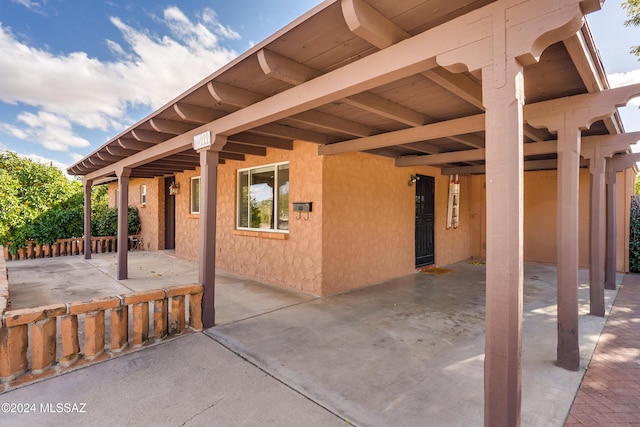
(399, 352)
(470, 87)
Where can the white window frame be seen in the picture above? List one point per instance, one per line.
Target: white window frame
(276, 195)
(143, 194)
(191, 199)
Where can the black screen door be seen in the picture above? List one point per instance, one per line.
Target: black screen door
(169, 215)
(425, 213)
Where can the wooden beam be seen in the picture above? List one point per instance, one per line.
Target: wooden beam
(118, 151)
(234, 147)
(171, 127)
(133, 144)
(437, 159)
(295, 73)
(533, 133)
(469, 140)
(231, 95)
(444, 129)
(231, 156)
(370, 25)
(459, 84)
(423, 147)
(97, 161)
(107, 157)
(274, 129)
(386, 108)
(261, 140)
(285, 69)
(530, 165)
(150, 136)
(335, 123)
(196, 114)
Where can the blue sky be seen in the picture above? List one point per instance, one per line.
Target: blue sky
(75, 73)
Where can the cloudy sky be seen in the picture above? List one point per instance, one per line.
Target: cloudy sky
(73, 73)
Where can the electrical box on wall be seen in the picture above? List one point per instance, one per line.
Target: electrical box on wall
(302, 206)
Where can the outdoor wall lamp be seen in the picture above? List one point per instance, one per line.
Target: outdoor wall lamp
(413, 180)
(174, 188)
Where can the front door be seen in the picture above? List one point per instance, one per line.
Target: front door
(169, 215)
(425, 213)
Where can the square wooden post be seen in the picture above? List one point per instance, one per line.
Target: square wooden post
(123, 223)
(87, 219)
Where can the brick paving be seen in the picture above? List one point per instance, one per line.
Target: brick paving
(610, 391)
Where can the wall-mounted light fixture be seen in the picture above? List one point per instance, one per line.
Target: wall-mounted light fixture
(413, 180)
(174, 188)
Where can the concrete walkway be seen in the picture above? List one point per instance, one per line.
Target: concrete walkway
(407, 352)
(610, 391)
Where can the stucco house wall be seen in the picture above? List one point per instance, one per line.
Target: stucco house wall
(362, 227)
(540, 217)
(369, 221)
(151, 214)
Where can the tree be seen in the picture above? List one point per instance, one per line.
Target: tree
(632, 7)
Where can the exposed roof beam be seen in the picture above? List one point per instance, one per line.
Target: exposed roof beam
(108, 157)
(196, 114)
(232, 95)
(150, 136)
(295, 73)
(444, 129)
(96, 161)
(285, 69)
(534, 134)
(530, 165)
(171, 127)
(234, 147)
(231, 156)
(335, 123)
(370, 25)
(382, 106)
(469, 140)
(422, 147)
(577, 48)
(118, 151)
(242, 98)
(133, 145)
(531, 149)
(274, 129)
(261, 140)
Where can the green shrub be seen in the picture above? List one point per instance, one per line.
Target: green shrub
(105, 222)
(634, 236)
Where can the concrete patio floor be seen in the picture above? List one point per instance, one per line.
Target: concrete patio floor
(405, 352)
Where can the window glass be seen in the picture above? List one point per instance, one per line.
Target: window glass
(263, 198)
(143, 194)
(195, 195)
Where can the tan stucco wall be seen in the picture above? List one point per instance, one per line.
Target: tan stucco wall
(369, 221)
(152, 214)
(540, 217)
(294, 262)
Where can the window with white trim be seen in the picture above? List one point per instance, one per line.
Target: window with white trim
(195, 195)
(263, 198)
(143, 194)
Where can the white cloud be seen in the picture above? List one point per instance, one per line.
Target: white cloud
(51, 131)
(34, 5)
(69, 90)
(625, 79)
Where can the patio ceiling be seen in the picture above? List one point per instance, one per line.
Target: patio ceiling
(432, 117)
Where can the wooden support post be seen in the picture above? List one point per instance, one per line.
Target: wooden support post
(612, 228)
(504, 177)
(87, 219)
(568, 219)
(43, 345)
(207, 261)
(13, 351)
(597, 235)
(123, 223)
(70, 341)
